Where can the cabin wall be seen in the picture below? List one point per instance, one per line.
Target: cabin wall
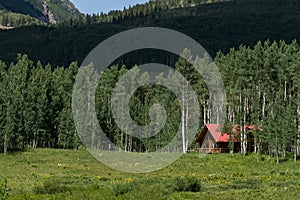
(208, 142)
(225, 148)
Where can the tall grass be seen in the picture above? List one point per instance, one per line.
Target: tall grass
(66, 174)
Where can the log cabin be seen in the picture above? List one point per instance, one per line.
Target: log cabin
(211, 139)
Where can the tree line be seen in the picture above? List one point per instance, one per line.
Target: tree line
(262, 88)
(154, 9)
(35, 106)
(30, 15)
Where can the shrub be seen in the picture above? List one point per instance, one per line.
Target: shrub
(296, 173)
(187, 184)
(246, 184)
(160, 187)
(282, 184)
(282, 173)
(3, 189)
(123, 188)
(50, 188)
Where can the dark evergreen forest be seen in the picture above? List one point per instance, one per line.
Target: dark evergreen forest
(216, 26)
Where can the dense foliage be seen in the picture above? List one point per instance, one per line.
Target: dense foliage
(152, 9)
(262, 86)
(35, 106)
(16, 13)
(11, 19)
(22, 7)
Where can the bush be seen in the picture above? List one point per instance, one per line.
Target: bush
(187, 184)
(282, 184)
(296, 173)
(246, 184)
(123, 188)
(50, 188)
(3, 189)
(161, 187)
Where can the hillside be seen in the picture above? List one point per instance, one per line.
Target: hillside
(216, 26)
(12, 20)
(62, 9)
(17, 13)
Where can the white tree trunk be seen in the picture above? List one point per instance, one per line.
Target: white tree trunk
(5, 144)
(244, 142)
(285, 91)
(208, 111)
(204, 113)
(126, 142)
(244, 134)
(298, 136)
(183, 123)
(187, 124)
(277, 153)
(263, 105)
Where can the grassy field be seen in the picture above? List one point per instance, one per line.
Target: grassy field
(66, 174)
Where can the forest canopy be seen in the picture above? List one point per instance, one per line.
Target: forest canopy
(262, 88)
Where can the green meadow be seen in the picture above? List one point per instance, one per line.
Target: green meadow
(68, 174)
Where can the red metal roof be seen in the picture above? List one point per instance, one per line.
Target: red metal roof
(218, 136)
(215, 130)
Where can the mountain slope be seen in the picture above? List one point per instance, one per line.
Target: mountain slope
(216, 26)
(11, 19)
(62, 9)
(22, 7)
(46, 11)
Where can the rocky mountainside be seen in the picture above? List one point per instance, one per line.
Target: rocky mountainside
(61, 9)
(24, 12)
